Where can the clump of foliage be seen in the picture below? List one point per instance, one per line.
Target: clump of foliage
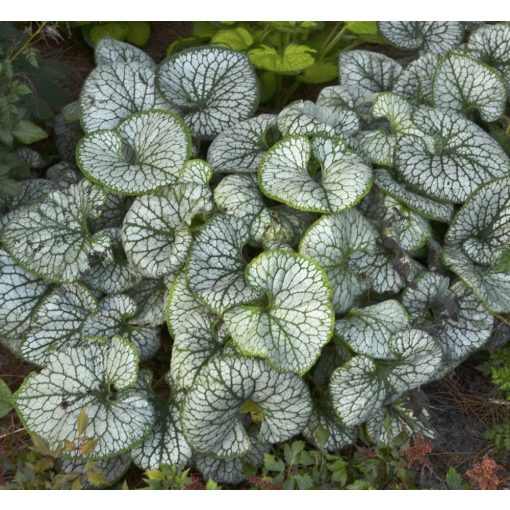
(286, 54)
(312, 267)
(133, 32)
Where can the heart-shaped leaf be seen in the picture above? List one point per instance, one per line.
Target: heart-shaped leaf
(145, 152)
(297, 320)
(293, 59)
(284, 175)
(215, 88)
(463, 84)
(433, 36)
(307, 118)
(20, 294)
(99, 378)
(368, 330)
(156, 232)
(227, 387)
(415, 81)
(482, 226)
(109, 51)
(51, 238)
(197, 333)
(465, 154)
(216, 264)
(368, 71)
(5, 399)
(240, 149)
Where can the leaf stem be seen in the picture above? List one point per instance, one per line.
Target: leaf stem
(29, 41)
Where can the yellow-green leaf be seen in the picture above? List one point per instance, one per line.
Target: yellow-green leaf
(82, 421)
(5, 399)
(362, 27)
(320, 72)
(96, 478)
(235, 38)
(27, 132)
(138, 32)
(295, 58)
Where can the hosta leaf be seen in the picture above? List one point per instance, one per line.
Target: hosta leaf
(489, 285)
(113, 274)
(214, 87)
(58, 322)
(109, 51)
(356, 390)
(115, 91)
(368, 330)
(462, 84)
(482, 225)
(459, 323)
(145, 152)
(295, 58)
(196, 331)
(114, 317)
(284, 176)
(216, 264)
(101, 379)
(51, 238)
(306, 118)
(297, 322)
(424, 206)
(452, 158)
(331, 241)
(240, 149)
(20, 294)
(415, 81)
(434, 36)
(368, 71)
(211, 414)
(165, 444)
(156, 232)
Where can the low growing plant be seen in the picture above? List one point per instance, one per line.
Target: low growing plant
(312, 267)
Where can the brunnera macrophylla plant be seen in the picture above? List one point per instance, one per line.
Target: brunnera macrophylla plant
(307, 268)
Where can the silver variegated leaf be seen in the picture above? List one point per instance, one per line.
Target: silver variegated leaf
(109, 51)
(368, 330)
(240, 149)
(324, 421)
(455, 318)
(195, 171)
(198, 334)
(58, 322)
(284, 176)
(377, 146)
(415, 81)
(165, 443)
(369, 72)
(433, 36)
(482, 226)
(156, 231)
(145, 152)
(20, 294)
(463, 84)
(336, 96)
(212, 410)
(51, 238)
(490, 285)
(356, 390)
(216, 264)
(150, 296)
(113, 274)
(99, 377)
(425, 206)
(331, 241)
(114, 91)
(115, 317)
(307, 118)
(451, 159)
(214, 87)
(291, 331)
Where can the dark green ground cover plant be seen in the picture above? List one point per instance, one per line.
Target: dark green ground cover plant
(300, 271)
